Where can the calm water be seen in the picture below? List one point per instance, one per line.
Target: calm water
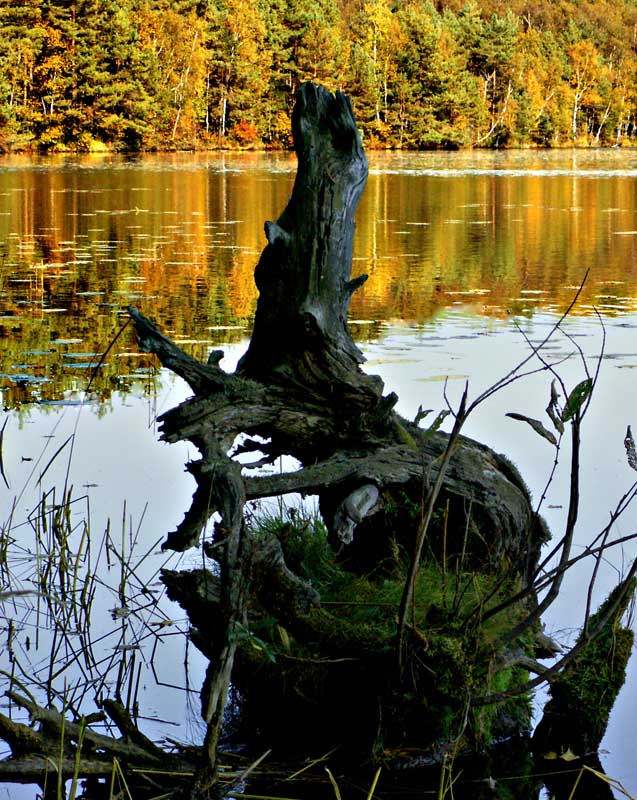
(469, 255)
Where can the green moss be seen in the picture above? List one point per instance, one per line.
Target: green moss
(450, 649)
(589, 685)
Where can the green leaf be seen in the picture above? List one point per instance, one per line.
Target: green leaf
(553, 410)
(536, 425)
(631, 453)
(576, 398)
(437, 423)
(421, 414)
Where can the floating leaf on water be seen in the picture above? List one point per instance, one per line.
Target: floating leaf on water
(576, 398)
(470, 291)
(62, 402)
(435, 378)
(631, 453)
(23, 377)
(87, 365)
(536, 425)
(67, 341)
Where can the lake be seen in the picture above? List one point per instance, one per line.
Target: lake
(471, 257)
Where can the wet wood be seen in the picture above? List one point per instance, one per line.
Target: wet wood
(36, 751)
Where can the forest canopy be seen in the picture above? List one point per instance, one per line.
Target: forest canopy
(164, 74)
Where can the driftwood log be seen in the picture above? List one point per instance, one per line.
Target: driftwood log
(53, 749)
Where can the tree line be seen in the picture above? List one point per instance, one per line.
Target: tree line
(163, 74)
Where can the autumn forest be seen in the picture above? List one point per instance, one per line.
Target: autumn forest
(167, 74)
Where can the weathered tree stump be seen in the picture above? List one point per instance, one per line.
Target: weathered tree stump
(299, 391)
(300, 336)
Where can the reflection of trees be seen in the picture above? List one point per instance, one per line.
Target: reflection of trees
(180, 236)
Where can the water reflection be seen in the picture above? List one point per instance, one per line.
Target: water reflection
(454, 244)
(179, 235)
(508, 772)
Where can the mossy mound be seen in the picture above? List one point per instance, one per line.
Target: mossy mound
(344, 687)
(583, 694)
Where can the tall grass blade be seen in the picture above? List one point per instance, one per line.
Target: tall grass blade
(337, 792)
(309, 765)
(373, 786)
(614, 784)
(78, 759)
(2, 472)
(54, 456)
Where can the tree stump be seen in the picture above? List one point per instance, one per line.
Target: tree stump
(299, 390)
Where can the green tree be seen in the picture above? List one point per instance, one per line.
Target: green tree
(172, 37)
(53, 74)
(306, 42)
(237, 63)
(21, 40)
(108, 102)
(585, 66)
(539, 67)
(435, 96)
(373, 68)
(490, 46)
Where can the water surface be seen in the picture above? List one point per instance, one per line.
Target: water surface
(470, 257)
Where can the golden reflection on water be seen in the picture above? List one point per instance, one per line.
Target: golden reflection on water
(179, 236)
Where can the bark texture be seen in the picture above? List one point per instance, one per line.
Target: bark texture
(299, 391)
(300, 328)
